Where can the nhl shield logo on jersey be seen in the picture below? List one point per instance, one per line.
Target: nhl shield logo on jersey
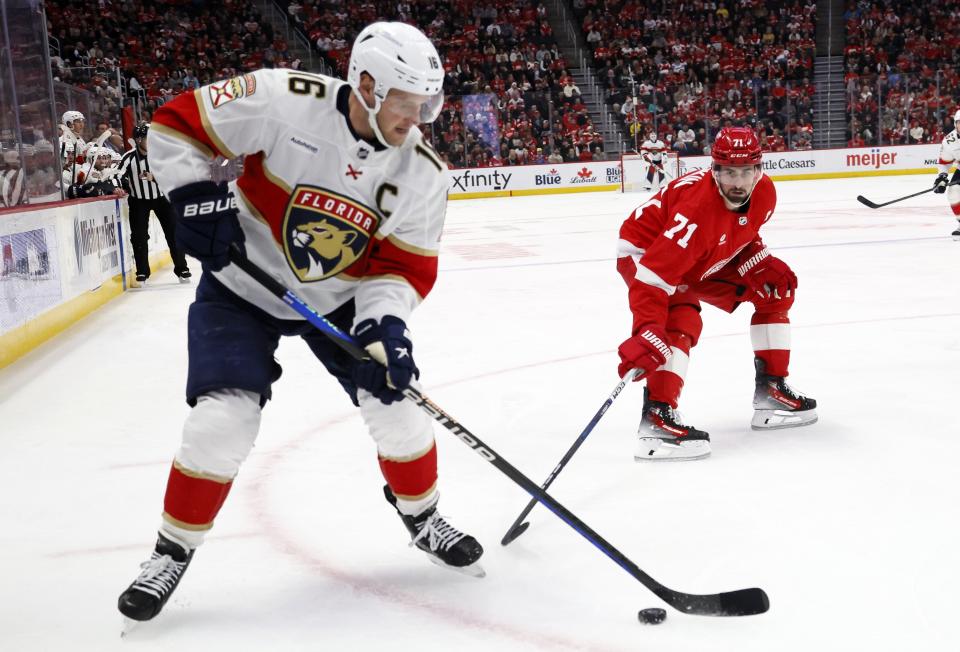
(325, 233)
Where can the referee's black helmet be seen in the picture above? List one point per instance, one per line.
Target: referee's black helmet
(140, 131)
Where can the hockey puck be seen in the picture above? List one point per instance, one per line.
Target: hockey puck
(652, 616)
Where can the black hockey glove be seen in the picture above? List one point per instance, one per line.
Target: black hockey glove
(940, 184)
(207, 222)
(389, 342)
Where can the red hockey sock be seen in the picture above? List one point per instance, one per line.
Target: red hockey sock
(776, 361)
(193, 500)
(411, 479)
(770, 334)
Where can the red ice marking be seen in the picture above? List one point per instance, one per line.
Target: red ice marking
(490, 251)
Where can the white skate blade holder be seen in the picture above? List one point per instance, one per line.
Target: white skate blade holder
(655, 449)
(776, 419)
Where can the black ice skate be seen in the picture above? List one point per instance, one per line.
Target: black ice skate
(777, 405)
(145, 598)
(956, 234)
(444, 544)
(184, 276)
(664, 437)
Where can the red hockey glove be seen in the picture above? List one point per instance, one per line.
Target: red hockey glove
(647, 350)
(768, 276)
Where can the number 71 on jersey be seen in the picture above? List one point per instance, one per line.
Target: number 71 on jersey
(682, 221)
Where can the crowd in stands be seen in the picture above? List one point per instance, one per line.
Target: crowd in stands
(161, 47)
(510, 99)
(902, 83)
(680, 68)
(693, 66)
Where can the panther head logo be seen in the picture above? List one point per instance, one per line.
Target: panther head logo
(327, 246)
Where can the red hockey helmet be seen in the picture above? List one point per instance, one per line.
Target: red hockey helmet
(736, 146)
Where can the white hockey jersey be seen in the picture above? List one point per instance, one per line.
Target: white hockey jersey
(949, 151)
(323, 211)
(653, 149)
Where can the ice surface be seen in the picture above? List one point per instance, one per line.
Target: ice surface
(850, 525)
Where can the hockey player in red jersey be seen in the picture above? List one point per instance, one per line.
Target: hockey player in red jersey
(697, 241)
(341, 199)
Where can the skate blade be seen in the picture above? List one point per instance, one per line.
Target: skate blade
(780, 419)
(183, 281)
(128, 626)
(473, 570)
(653, 449)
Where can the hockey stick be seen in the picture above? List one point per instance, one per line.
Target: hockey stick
(744, 602)
(519, 526)
(866, 202)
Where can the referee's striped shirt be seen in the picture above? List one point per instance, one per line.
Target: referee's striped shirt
(133, 167)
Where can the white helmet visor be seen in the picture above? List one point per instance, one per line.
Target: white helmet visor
(424, 109)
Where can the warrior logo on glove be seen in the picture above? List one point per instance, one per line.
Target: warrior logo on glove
(325, 233)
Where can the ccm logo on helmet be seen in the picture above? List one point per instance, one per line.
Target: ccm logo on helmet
(209, 207)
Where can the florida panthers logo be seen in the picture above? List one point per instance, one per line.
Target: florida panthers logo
(325, 233)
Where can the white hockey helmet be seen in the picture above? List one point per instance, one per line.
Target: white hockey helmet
(397, 56)
(44, 146)
(70, 116)
(115, 156)
(956, 116)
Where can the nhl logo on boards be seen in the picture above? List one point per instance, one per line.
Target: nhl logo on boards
(324, 233)
(742, 221)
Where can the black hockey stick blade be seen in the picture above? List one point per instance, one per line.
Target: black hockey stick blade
(743, 602)
(866, 202)
(514, 533)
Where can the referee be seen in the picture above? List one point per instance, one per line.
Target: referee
(145, 196)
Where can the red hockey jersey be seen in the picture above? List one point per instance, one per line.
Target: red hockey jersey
(683, 235)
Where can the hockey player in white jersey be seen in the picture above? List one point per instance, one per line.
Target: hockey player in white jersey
(342, 200)
(950, 157)
(653, 149)
(71, 131)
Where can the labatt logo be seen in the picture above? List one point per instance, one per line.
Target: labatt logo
(585, 175)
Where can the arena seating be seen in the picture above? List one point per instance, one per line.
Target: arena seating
(902, 84)
(702, 65)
